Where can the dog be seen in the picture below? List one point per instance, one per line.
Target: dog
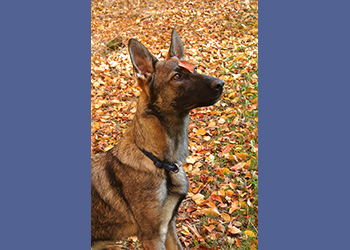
(138, 185)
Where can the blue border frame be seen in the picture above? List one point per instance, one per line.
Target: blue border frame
(303, 127)
(45, 124)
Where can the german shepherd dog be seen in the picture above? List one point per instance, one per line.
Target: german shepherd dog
(137, 186)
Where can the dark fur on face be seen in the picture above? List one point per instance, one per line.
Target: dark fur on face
(176, 89)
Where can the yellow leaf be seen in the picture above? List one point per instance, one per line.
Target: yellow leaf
(210, 204)
(234, 206)
(206, 211)
(243, 204)
(226, 217)
(248, 163)
(211, 211)
(221, 192)
(244, 71)
(201, 131)
(185, 230)
(108, 147)
(249, 233)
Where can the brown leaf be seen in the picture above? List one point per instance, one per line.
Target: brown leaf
(233, 230)
(198, 199)
(221, 228)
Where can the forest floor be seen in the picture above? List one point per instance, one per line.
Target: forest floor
(221, 40)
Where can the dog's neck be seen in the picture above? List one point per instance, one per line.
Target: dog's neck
(163, 135)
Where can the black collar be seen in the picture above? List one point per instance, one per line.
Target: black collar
(161, 164)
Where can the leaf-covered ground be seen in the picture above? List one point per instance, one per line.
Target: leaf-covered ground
(221, 39)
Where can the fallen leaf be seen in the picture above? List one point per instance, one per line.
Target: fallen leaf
(185, 230)
(221, 228)
(211, 211)
(201, 131)
(198, 199)
(234, 206)
(249, 233)
(210, 228)
(190, 160)
(233, 230)
(226, 217)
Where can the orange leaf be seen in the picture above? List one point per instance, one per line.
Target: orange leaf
(216, 197)
(209, 228)
(242, 156)
(222, 192)
(252, 247)
(225, 171)
(237, 242)
(229, 193)
(227, 149)
(198, 198)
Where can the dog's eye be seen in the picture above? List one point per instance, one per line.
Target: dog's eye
(177, 76)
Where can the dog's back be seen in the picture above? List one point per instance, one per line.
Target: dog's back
(108, 204)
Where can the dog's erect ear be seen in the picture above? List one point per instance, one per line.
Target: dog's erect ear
(142, 60)
(176, 47)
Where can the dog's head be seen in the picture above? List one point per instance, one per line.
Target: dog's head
(172, 85)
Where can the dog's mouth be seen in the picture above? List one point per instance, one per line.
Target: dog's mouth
(208, 103)
(204, 103)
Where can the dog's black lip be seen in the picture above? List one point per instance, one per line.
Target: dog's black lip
(204, 104)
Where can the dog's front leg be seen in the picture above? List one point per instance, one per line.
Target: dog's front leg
(152, 239)
(149, 221)
(152, 235)
(153, 244)
(172, 241)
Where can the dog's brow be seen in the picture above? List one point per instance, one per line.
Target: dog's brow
(186, 65)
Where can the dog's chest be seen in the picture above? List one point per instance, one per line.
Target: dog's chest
(173, 190)
(175, 186)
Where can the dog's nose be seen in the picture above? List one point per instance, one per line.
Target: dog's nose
(217, 84)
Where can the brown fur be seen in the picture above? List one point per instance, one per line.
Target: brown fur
(129, 194)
